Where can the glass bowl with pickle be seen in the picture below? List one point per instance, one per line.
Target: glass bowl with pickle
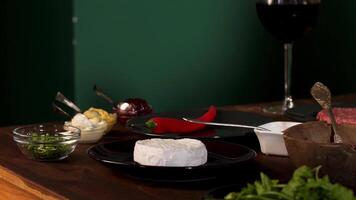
(46, 142)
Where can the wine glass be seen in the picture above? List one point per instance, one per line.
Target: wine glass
(288, 21)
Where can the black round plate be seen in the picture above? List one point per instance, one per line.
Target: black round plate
(304, 113)
(221, 156)
(137, 124)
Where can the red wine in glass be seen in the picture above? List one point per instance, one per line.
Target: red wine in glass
(288, 21)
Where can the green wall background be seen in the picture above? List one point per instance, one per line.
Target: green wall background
(174, 54)
(180, 54)
(184, 54)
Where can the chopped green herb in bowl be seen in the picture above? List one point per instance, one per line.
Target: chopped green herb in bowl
(48, 142)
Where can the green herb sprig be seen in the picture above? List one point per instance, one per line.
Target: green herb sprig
(304, 185)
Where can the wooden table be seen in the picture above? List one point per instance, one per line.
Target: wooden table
(80, 177)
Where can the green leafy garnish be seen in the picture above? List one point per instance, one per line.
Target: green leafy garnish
(304, 185)
(47, 147)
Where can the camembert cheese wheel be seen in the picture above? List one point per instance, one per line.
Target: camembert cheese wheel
(170, 152)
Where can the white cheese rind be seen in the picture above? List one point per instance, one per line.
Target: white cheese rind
(170, 152)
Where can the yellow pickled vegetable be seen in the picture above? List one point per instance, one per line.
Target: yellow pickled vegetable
(94, 113)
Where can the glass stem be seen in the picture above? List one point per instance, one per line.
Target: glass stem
(288, 101)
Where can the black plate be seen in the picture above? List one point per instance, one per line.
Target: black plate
(137, 124)
(304, 113)
(221, 156)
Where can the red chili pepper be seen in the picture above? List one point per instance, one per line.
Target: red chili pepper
(164, 124)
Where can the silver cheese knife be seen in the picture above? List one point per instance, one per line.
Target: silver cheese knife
(223, 124)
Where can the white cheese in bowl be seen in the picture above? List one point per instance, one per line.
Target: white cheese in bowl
(170, 152)
(91, 129)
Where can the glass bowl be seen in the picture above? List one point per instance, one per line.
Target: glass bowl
(46, 142)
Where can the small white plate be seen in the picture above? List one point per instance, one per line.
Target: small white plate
(272, 142)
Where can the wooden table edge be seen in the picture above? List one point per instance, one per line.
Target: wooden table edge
(28, 186)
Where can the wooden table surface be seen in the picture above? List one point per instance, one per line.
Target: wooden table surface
(80, 177)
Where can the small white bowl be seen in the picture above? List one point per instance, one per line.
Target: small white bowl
(92, 136)
(272, 142)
